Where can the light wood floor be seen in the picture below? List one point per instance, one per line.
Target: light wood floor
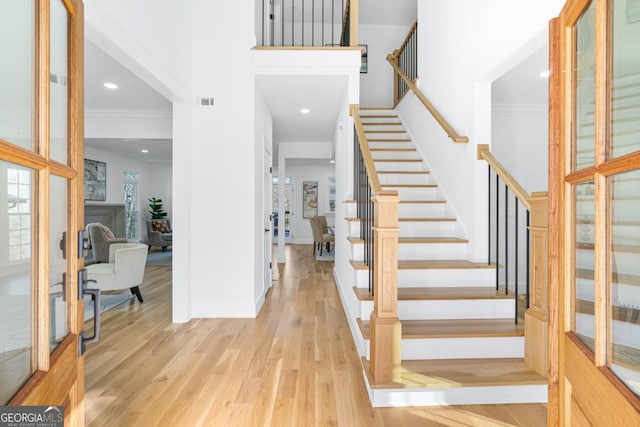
(295, 365)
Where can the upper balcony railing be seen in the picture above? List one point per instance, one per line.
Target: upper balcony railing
(308, 23)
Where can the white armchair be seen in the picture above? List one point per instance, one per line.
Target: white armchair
(125, 268)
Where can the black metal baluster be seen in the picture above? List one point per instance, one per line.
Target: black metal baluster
(302, 23)
(506, 239)
(293, 37)
(528, 266)
(282, 19)
(333, 20)
(516, 253)
(497, 230)
(489, 214)
(322, 22)
(313, 22)
(262, 23)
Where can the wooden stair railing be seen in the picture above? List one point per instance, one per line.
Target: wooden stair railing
(405, 65)
(379, 224)
(537, 206)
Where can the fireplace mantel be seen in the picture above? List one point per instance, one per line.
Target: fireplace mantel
(109, 214)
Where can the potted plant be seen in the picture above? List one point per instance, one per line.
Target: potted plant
(155, 208)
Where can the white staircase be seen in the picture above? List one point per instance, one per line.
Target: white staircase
(460, 344)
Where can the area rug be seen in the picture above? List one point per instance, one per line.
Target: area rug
(160, 258)
(326, 256)
(107, 302)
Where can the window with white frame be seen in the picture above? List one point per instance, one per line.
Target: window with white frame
(130, 196)
(19, 188)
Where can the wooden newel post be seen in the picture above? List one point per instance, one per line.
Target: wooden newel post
(396, 80)
(536, 317)
(354, 22)
(386, 331)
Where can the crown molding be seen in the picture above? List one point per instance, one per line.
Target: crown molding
(127, 113)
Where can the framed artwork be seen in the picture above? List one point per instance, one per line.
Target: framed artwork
(95, 180)
(309, 199)
(331, 181)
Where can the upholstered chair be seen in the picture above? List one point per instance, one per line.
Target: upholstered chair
(124, 269)
(159, 233)
(320, 238)
(100, 239)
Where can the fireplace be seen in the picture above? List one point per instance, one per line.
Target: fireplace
(109, 214)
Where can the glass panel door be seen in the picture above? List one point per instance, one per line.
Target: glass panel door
(17, 288)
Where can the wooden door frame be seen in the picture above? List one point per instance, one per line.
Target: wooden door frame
(59, 375)
(585, 368)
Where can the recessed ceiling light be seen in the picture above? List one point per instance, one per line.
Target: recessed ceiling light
(545, 73)
(305, 111)
(144, 150)
(110, 85)
(332, 161)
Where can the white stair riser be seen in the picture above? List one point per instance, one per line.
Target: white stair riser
(459, 348)
(449, 309)
(386, 135)
(411, 210)
(429, 193)
(381, 398)
(367, 120)
(435, 277)
(393, 143)
(400, 166)
(377, 155)
(417, 251)
(412, 229)
(423, 178)
(368, 126)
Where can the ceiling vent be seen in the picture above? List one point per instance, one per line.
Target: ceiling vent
(205, 102)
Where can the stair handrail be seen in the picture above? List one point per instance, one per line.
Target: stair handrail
(537, 255)
(451, 133)
(412, 30)
(374, 180)
(515, 187)
(378, 216)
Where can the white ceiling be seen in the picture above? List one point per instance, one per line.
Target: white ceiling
(132, 94)
(286, 95)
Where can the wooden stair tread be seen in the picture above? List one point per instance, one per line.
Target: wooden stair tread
(377, 116)
(436, 294)
(409, 185)
(403, 172)
(352, 219)
(429, 264)
(410, 201)
(384, 131)
(389, 139)
(416, 240)
(381, 123)
(451, 373)
(398, 160)
(619, 313)
(453, 328)
(392, 150)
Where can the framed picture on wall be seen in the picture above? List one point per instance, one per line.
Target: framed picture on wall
(309, 199)
(95, 180)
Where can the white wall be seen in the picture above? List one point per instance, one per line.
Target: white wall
(300, 227)
(376, 86)
(159, 185)
(456, 69)
(519, 141)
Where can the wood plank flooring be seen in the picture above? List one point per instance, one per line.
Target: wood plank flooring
(295, 365)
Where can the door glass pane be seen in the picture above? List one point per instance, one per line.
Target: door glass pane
(625, 84)
(624, 255)
(58, 79)
(584, 72)
(17, 334)
(584, 262)
(17, 30)
(57, 263)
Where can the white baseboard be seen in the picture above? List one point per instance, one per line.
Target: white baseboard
(351, 319)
